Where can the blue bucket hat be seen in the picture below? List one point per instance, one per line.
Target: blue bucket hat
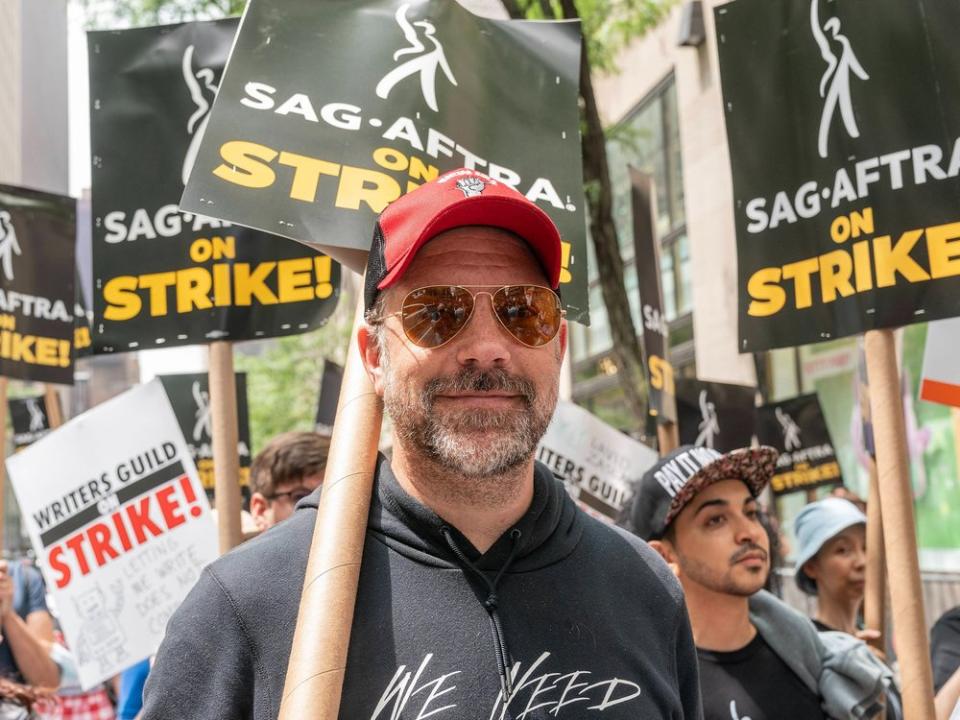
(817, 523)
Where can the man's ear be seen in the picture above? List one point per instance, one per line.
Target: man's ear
(666, 551)
(562, 335)
(259, 511)
(370, 354)
(811, 568)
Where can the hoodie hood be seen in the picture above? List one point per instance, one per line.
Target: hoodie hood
(550, 529)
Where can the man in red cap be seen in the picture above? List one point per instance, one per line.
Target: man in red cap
(485, 593)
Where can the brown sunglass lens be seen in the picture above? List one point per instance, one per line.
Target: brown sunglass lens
(530, 313)
(433, 315)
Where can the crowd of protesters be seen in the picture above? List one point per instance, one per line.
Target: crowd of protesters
(482, 581)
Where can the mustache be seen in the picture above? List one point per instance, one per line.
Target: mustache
(746, 550)
(471, 380)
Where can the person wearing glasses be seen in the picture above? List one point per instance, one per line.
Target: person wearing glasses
(485, 593)
(288, 469)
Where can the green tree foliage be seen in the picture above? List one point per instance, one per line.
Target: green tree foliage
(283, 375)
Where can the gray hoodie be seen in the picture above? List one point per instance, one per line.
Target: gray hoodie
(573, 618)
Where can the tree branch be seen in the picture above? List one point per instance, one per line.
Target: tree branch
(596, 175)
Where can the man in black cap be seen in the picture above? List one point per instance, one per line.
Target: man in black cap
(485, 593)
(759, 659)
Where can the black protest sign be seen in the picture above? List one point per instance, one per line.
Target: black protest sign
(660, 379)
(29, 419)
(409, 89)
(329, 397)
(715, 415)
(797, 429)
(164, 277)
(189, 395)
(37, 242)
(845, 151)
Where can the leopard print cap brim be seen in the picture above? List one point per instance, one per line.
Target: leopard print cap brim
(754, 466)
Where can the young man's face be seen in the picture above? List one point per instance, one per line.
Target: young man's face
(478, 404)
(718, 542)
(267, 512)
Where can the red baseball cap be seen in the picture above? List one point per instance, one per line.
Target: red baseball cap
(455, 199)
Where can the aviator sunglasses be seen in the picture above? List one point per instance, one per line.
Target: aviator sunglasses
(434, 315)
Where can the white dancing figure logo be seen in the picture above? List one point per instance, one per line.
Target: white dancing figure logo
(201, 428)
(37, 420)
(203, 89)
(791, 431)
(8, 245)
(709, 424)
(425, 63)
(835, 83)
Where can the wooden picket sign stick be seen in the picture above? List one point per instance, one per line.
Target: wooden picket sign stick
(3, 455)
(318, 658)
(224, 432)
(899, 525)
(51, 403)
(668, 437)
(875, 594)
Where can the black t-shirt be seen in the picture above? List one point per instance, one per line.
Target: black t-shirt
(753, 682)
(945, 646)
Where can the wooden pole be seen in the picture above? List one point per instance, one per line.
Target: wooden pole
(875, 595)
(811, 495)
(318, 658)
(51, 401)
(224, 432)
(3, 460)
(899, 525)
(668, 437)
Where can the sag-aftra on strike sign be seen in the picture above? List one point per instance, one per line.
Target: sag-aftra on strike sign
(329, 111)
(845, 150)
(163, 276)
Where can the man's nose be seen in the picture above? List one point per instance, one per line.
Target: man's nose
(483, 342)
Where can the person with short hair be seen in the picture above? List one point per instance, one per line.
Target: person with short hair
(289, 468)
(485, 593)
(758, 657)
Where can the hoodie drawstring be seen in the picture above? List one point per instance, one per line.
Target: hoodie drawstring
(491, 604)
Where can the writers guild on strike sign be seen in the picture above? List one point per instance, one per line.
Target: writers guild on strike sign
(846, 207)
(162, 276)
(110, 515)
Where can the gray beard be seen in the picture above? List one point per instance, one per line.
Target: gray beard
(477, 444)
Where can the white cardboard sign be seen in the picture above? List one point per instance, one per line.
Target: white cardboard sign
(597, 462)
(120, 525)
(941, 363)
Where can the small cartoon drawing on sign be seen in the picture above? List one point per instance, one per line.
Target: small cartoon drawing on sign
(837, 75)
(710, 425)
(791, 431)
(426, 63)
(37, 420)
(101, 639)
(203, 90)
(8, 244)
(202, 427)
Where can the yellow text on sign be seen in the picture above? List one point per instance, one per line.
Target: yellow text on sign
(878, 262)
(232, 284)
(661, 375)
